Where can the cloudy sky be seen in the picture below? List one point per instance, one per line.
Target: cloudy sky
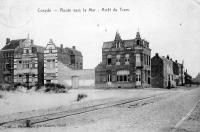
(171, 26)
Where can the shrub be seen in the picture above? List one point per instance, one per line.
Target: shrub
(38, 86)
(54, 87)
(81, 96)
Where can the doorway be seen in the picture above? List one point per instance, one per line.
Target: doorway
(75, 81)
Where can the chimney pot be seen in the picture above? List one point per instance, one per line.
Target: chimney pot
(73, 47)
(61, 46)
(168, 57)
(156, 54)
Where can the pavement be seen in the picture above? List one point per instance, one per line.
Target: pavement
(191, 122)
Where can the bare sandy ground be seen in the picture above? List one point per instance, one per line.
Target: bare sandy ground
(159, 116)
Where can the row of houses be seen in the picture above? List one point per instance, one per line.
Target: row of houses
(128, 64)
(21, 61)
(125, 64)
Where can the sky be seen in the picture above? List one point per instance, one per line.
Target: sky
(172, 27)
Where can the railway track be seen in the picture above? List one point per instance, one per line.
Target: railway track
(30, 121)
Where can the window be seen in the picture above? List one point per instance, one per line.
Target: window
(109, 60)
(138, 42)
(118, 44)
(50, 63)
(19, 65)
(126, 59)
(50, 50)
(27, 51)
(72, 57)
(20, 78)
(138, 77)
(33, 77)
(26, 64)
(48, 81)
(118, 60)
(138, 60)
(7, 66)
(33, 64)
(109, 78)
(123, 76)
(149, 80)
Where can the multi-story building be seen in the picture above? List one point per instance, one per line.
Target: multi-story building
(7, 60)
(125, 64)
(162, 75)
(70, 57)
(28, 64)
(50, 63)
(188, 78)
(178, 71)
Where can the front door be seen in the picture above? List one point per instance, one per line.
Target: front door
(27, 80)
(138, 78)
(75, 82)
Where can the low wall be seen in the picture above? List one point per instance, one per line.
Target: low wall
(75, 78)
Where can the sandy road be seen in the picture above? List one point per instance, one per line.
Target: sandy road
(157, 114)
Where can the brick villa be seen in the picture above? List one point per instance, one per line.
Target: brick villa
(125, 64)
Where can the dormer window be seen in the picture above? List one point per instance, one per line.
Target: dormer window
(118, 45)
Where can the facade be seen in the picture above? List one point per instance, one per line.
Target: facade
(188, 79)
(178, 71)
(50, 63)
(28, 64)
(7, 60)
(63, 65)
(162, 75)
(197, 79)
(125, 64)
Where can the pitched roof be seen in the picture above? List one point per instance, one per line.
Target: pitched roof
(39, 48)
(107, 44)
(13, 44)
(75, 52)
(128, 43)
(70, 51)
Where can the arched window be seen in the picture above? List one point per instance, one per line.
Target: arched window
(118, 60)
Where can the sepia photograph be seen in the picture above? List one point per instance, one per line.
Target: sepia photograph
(100, 65)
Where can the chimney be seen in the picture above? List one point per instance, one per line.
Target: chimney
(156, 54)
(168, 57)
(32, 41)
(176, 61)
(61, 46)
(74, 47)
(7, 40)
